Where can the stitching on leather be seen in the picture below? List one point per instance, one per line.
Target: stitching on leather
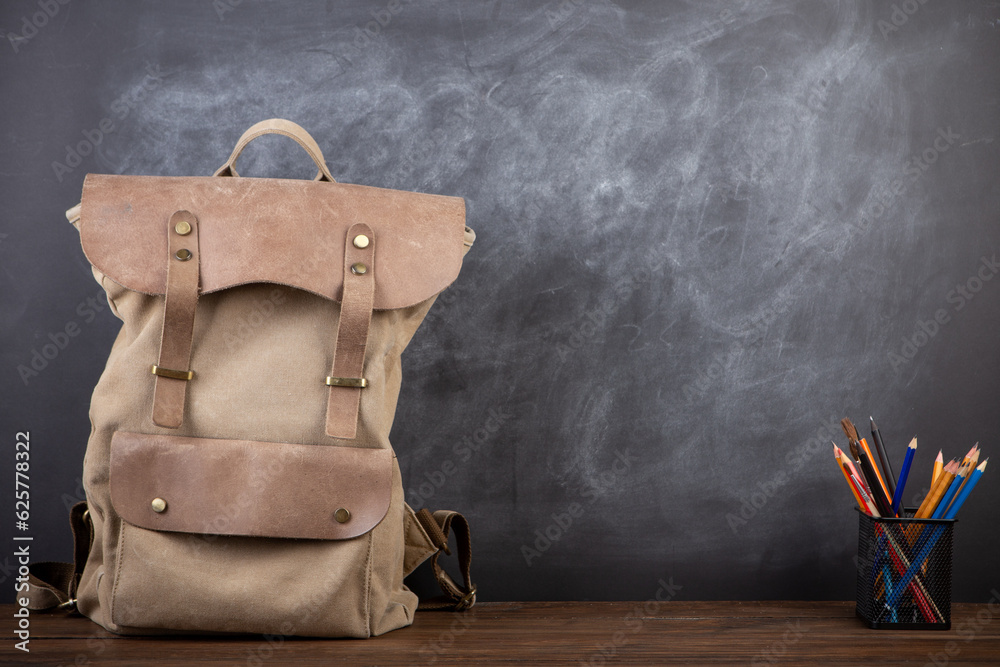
(368, 584)
(118, 571)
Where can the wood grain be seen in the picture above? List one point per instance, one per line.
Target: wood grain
(554, 633)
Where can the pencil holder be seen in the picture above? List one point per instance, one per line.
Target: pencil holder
(904, 572)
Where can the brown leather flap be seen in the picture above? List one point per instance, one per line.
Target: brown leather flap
(241, 487)
(283, 231)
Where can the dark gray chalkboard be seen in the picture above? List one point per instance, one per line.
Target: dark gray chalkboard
(707, 231)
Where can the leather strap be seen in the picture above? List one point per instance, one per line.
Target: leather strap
(285, 128)
(438, 526)
(53, 585)
(172, 370)
(346, 378)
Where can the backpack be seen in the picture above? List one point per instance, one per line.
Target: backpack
(239, 475)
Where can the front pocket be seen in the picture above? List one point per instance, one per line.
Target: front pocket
(241, 487)
(239, 536)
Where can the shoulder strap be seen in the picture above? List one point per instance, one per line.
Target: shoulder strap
(426, 536)
(53, 585)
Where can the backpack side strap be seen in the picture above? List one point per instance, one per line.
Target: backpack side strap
(53, 585)
(426, 537)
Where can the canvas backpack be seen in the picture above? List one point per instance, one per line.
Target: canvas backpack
(239, 475)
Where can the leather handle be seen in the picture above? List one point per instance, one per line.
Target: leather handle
(283, 127)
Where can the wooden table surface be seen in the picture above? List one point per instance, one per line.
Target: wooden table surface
(554, 633)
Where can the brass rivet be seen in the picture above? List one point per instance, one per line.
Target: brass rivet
(342, 515)
(183, 254)
(183, 228)
(361, 241)
(159, 505)
(359, 269)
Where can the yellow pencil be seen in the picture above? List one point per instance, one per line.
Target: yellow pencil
(933, 497)
(938, 465)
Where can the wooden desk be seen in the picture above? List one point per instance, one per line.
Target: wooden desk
(550, 633)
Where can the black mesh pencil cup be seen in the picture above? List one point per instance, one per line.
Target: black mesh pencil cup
(904, 572)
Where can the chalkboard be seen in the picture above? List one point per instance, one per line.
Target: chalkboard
(706, 232)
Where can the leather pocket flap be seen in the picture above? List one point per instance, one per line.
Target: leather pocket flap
(242, 487)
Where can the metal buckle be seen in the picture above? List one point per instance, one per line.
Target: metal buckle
(170, 373)
(346, 382)
(467, 601)
(68, 604)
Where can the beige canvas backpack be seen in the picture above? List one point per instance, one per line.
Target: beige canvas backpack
(239, 475)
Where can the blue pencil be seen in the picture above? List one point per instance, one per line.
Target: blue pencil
(925, 549)
(956, 484)
(973, 479)
(897, 497)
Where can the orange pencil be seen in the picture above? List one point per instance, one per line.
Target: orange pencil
(878, 473)
(938, 465)
(933, 497)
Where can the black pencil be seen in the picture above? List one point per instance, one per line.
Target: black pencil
(890, 478)
(884, 507)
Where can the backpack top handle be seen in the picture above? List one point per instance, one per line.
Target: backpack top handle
(283, 127)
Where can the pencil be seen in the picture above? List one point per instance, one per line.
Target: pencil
(883, 458)
(973, 480)
(968, 457)
(869, 503)
(846, 460)
(938, 465)
(878, 475)
(838, 454)
(934, 495)
(868, 468)
(904, 474)
(973, 462)
(953, 489)
(922, 552)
